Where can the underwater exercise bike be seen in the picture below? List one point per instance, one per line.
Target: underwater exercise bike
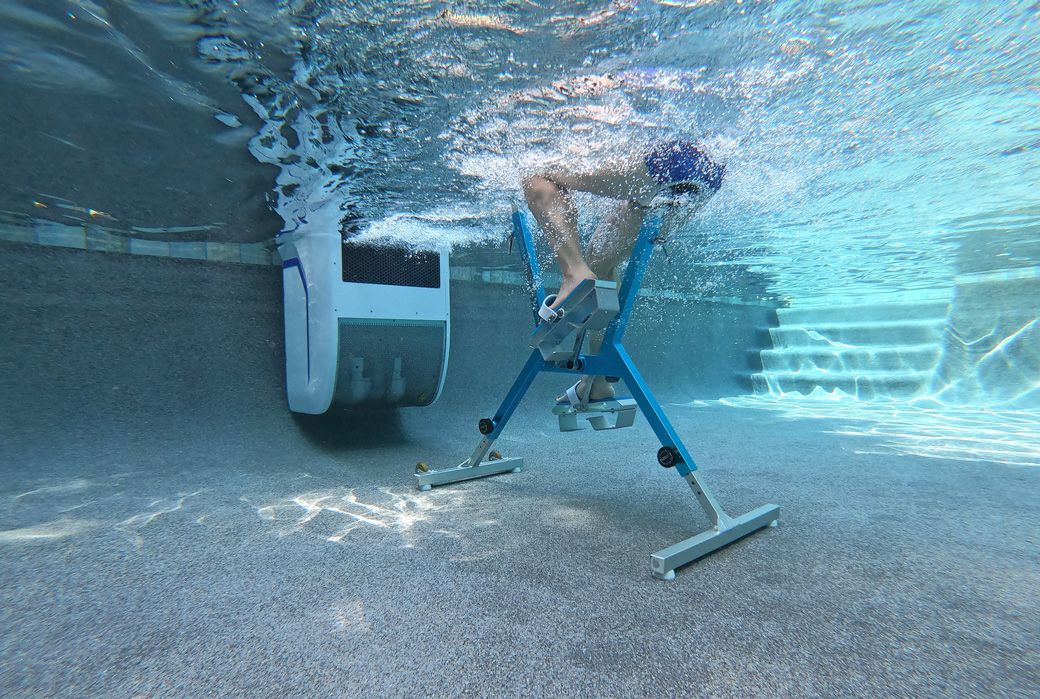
(599, 305)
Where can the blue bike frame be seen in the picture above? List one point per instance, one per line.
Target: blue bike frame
(611, 360)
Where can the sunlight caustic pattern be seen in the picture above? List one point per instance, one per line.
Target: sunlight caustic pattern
(56, 510)
(133, 525)
(915, 428)
(337, 512)
(47, 531)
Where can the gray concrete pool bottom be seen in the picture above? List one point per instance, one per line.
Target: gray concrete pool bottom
(167, 530)
(230, 569)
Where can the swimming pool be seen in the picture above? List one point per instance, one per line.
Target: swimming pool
(848, 329)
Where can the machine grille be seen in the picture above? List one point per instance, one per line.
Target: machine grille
(371, 264)
(389, 362)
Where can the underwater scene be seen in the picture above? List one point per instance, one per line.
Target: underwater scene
(597, 348)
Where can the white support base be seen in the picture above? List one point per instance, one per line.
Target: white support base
(664, 562)
(464, 472)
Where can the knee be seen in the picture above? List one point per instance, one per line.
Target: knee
(539, 188)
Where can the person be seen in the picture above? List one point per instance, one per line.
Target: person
(679, 174)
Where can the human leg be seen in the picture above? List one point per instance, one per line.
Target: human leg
(614, 238)
(610, 244)
(548, 197)
(553, 208)
(600, 388)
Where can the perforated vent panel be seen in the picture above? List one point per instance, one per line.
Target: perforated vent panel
(366, 264)
(389, 362)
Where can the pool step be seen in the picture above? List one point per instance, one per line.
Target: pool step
(865, 385)
(877, 312)
(871, 352)
(922, 357)
(859, 334)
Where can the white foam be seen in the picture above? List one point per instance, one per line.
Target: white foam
(441, 229)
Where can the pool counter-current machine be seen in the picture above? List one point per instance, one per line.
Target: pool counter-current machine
(365, 325)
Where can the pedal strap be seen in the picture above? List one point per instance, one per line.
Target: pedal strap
(572, 396)
(575, 399)
(545, 313)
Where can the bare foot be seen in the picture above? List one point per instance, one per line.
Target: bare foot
(570, 283)
(601, 389)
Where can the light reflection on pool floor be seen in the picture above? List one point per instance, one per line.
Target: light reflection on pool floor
(335, 513)
(913, 428)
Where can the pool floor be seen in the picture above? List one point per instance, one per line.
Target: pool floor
(174, 568)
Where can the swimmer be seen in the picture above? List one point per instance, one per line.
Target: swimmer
(678, 174)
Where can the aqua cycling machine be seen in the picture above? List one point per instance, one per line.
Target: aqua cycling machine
(557, 340)
(365, 326)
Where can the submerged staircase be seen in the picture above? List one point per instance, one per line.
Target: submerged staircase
(869, 351)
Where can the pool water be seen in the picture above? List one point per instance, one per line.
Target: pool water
(850, 328)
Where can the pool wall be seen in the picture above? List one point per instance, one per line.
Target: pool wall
(106, 347)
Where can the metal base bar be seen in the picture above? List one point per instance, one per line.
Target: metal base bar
(664, 562)
(465, 472)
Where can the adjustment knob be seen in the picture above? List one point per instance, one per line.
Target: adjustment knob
(668, 456)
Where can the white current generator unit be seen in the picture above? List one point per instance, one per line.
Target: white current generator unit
(365, 326)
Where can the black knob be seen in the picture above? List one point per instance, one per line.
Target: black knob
(668, 456)
(579, 364)
(486, 425)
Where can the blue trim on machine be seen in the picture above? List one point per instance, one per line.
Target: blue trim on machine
(295, 262)
(534, 272)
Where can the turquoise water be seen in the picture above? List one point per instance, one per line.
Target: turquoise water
(882, 157)
(866, 141)
(850, 330)
(863, 139)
